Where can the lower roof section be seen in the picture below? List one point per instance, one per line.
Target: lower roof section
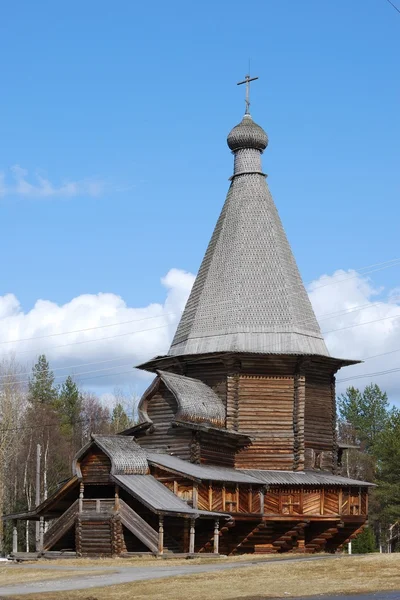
(158, 498)
(299, 478)
(227, 475)
(200, 472)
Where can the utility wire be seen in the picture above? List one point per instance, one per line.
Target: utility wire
(383, 265)
(394, 6)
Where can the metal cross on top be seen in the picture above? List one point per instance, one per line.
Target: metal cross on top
(247, 80)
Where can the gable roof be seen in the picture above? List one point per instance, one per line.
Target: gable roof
(125, 454)
(248, 295)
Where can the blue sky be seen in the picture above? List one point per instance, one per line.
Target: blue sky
(130, 103)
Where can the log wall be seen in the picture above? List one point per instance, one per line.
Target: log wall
(265, 412)
(95, 467)
(161, 409)
(319, 421)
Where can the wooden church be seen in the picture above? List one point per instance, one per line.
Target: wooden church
(235, 450)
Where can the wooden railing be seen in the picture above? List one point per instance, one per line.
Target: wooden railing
(98, 505)
(138, 526)
(61, 526)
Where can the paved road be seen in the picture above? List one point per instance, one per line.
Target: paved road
(120, 574)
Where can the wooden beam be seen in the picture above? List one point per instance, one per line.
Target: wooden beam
(237, 497)
(210, 496)
(161, 534)
(216, 536)
(340, 501)
(191, 536)
(223, 497)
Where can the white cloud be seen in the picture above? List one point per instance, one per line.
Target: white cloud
(364, 303)
(141, 334)
(146, 332)
(16, 182)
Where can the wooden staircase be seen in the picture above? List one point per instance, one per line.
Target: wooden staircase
(60, 527)
(138, 526)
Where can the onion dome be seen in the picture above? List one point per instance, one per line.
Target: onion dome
(247, 135)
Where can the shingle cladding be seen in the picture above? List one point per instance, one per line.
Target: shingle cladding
(248, 295)
(197, 402)
(126, 456)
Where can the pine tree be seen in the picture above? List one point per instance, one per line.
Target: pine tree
(41, 388)
(367, 412)
(365, 542)
(119, 419)
(70, 404)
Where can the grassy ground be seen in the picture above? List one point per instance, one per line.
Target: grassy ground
(283, 578)
(10, 574)
(137, 561)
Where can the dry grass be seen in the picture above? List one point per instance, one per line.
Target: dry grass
(10, 574)
(150, 561)
(343, 575)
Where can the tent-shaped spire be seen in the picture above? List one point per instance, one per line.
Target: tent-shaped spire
(248, 295)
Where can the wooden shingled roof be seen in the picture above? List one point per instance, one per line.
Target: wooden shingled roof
(248, 295)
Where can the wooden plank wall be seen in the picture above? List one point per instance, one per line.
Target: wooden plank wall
(316, 501)
(161, 409)
(265, 412)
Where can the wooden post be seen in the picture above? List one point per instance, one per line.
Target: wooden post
(223, 497)
(216, 536)
(237, 497)
(210, 496)
(262, 492)
(41, 534)
(195, 498)
(116, 499)
(250, 498)
(186, 535)
(161, 534)
(37, 497)
(191, 536)
(15, 538)
(322, 501)
(176, 488)
(81, 490)
(340, 501)
(98, 505)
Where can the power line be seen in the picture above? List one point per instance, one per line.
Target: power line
(40, 337)
(96, 362)
(394, 6)
(364, 323)
(376, 374)
(383, 265)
